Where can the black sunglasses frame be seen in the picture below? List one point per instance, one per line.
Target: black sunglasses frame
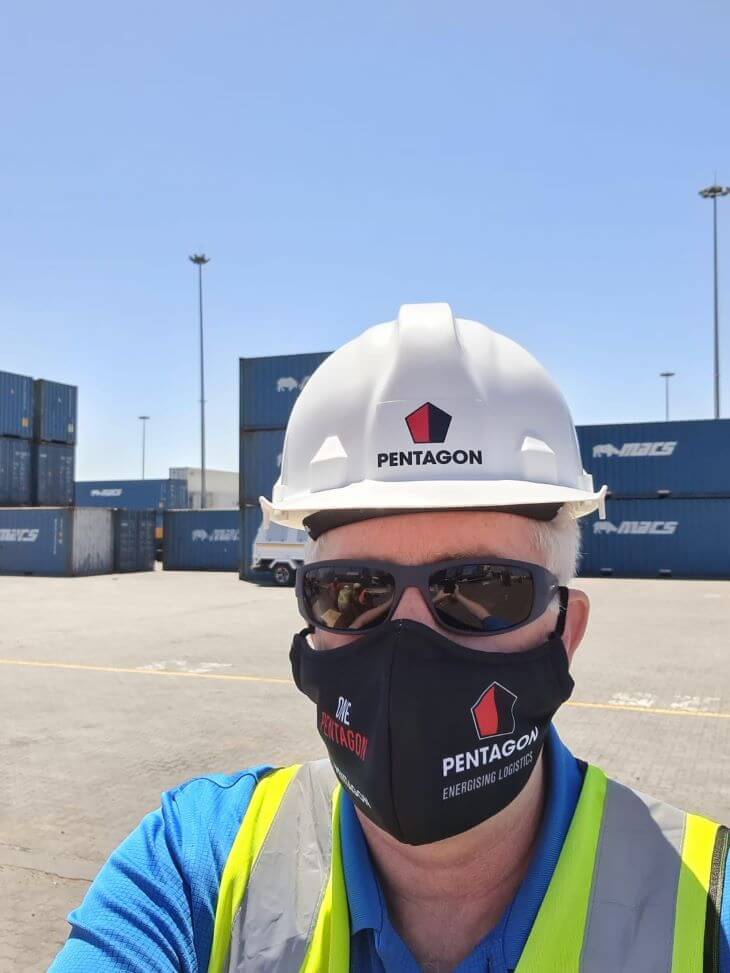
(545, 586)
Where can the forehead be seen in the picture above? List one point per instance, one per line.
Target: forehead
(433, 536)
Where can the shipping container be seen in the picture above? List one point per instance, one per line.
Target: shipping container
(53, 474)
(260, 463)
(133, 494)
(681, 538)
(134, 540)
(250, 521)
(16, 481)
(67, 541)
(146, 539)
(269, 387)
(201, 540)
(159, 521)
(649, 459)
(54, 412)
(16, 405)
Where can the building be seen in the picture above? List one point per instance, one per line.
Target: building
(221, 487)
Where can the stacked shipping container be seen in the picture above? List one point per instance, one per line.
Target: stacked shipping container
(55, 407)
(16, 432)
(268, 389)
(38, 428)
(39, 534)
(155, 496)
(668, 507)
(37, 441)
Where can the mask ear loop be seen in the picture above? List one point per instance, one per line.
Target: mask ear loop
(562, 612)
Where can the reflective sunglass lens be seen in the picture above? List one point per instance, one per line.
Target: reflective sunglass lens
(352, 598)
(480, 598)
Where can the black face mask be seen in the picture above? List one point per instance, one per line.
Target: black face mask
(429, 737)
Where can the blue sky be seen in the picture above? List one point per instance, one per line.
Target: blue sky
(535, 165)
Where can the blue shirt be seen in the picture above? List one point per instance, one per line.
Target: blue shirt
(151, 909)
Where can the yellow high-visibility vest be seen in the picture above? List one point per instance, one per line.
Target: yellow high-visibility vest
(636, 888)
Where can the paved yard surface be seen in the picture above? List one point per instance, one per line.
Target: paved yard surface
(115, 688)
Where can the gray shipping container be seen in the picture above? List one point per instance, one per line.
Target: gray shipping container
(53, 474)
(269, 387)
(55, 409)
(16, 405)
(646, 459)
(15, 472)
(134, 540)
(201, 540)
(682, 538)
(67, 541)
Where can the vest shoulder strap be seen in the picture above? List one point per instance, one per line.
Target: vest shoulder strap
(275, 901)
(632, 890)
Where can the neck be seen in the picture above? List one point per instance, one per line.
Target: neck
(445, 897)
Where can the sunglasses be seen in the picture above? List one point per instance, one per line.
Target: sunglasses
(469, 596)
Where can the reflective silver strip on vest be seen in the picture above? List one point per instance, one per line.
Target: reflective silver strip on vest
(275, 923)
(630, 924)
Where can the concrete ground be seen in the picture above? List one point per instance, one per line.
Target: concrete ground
(115, 688)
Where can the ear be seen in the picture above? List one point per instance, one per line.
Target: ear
(576, 621)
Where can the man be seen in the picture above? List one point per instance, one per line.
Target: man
(435, 466)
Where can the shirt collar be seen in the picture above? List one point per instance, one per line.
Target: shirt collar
(363, 889)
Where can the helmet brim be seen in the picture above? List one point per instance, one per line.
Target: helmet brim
(380, 498)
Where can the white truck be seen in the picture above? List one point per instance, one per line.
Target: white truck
(279, 550)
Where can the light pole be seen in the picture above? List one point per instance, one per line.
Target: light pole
(201, 260)
(666, 376)
(712, 192)
(143, 419)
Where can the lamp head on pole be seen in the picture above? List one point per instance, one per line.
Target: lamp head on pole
(200, 259)
(711, 192)
(667, 374)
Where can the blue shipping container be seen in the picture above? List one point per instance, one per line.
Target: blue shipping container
(250, 519)
(133, 494)
(67, 541)
(642, 459)
(684, 538)
(55, 412)
(201, 540)
(269, 387)
(16, 405)
(16, 482)
(146, 539)
(53, 474)
(134, 540)
(260, 463)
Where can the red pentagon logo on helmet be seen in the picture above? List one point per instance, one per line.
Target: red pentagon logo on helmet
(428, 424)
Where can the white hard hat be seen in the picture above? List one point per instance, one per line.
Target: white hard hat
(429, 412)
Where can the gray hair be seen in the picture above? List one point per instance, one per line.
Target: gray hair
(557, 540)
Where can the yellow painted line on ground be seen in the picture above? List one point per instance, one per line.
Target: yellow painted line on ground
(656, 710)
(143, 672)
(232, 677)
